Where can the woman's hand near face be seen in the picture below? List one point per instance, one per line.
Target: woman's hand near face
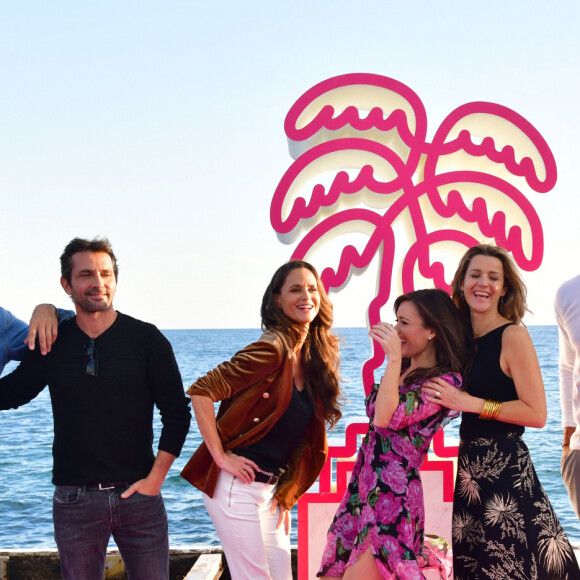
(388, 396)
(386, 335)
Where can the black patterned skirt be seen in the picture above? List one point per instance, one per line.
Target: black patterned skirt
(504, 526)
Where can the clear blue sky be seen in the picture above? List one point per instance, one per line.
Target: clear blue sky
(160, 125)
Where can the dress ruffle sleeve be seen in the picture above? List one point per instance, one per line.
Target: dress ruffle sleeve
(414, 406)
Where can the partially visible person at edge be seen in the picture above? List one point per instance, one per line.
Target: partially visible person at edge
(503, 523)
(15, 335)
(567, 307)
(378, 531)
(106, 373)
(268, 443)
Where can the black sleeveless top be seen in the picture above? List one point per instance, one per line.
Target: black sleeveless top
(488, 381)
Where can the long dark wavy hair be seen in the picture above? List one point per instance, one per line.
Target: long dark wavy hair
(513, 304)
(453, 340)
(320, 350)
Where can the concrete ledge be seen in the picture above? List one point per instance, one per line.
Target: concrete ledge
(45, 565)
(207, 567)
(3, 567)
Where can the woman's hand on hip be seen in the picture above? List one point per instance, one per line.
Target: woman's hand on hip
(241, 467)
(283, 515)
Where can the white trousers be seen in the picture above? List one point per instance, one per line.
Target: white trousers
(254, 548)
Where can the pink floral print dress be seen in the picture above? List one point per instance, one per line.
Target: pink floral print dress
(383, 506)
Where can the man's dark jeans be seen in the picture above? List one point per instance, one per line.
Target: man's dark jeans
(84, 520)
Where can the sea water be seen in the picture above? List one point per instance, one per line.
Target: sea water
(26, 439)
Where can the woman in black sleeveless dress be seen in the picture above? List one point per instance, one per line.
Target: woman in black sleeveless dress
(504, 526)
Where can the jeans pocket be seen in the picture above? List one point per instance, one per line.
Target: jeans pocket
(66, 495)
(145, 496)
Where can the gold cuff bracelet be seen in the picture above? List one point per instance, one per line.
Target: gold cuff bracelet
(490, 410)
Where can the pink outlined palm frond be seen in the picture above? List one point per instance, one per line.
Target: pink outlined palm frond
(386, 111)
(365, 158)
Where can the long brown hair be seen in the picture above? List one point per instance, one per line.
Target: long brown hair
(320, 351)
(453, 340)
(513, 304)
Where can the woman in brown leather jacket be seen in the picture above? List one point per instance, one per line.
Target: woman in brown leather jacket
(268, 444)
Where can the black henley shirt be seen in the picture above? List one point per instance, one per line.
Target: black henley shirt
(103, 424)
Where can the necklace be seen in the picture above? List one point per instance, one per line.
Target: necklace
(485, 329)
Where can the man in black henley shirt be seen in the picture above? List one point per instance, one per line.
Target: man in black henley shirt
(106, 373)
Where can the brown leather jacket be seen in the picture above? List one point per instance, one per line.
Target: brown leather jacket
(255, 388)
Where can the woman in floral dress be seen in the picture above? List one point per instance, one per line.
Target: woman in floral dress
(504, 527)
(378, 530)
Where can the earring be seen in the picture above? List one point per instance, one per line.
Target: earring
(429, 337)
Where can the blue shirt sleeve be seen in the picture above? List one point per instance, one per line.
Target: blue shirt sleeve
(12, 335)
(64, 314)
(13, 332)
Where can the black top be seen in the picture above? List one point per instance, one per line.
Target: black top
(488, 381)
(271, 452)
(103, 424)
